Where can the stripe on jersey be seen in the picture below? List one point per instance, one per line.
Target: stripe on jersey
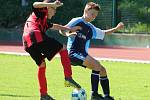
(97, 33)
(69, 43)
(79, 56)
(74, 21)
(87, 45)
(32, 37)
(38, 35)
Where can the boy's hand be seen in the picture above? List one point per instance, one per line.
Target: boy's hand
(58, 3)
(72, 31)
(71, 34)
(120, 25)
(55, 4)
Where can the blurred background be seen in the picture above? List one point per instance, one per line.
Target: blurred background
(134, 13)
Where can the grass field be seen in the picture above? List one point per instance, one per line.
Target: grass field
(18, 81)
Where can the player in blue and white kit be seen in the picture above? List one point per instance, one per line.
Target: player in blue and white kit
(78, 45)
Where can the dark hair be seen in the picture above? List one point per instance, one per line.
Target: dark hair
(46, 0)
(39, 0)
(50, 0)
(92, 5)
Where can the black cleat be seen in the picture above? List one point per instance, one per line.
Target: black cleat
(70, 82)
(108, 98)
(46, 97)
(96, 96)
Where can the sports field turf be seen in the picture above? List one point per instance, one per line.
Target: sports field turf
(18, 80)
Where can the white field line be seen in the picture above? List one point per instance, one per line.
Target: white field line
(122, 60)
(98, 58)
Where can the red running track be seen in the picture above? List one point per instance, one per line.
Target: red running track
(101, 52)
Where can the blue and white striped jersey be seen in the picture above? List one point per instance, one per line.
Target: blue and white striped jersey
(81, 41)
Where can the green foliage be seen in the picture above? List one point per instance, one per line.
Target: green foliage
(70, 9)
(12, 13)
(137, 28)
(140, 9)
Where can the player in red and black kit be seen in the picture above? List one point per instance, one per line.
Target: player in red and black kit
(40, 46)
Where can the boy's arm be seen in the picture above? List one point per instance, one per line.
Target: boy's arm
(72, 25)
(65, 29)
(119, 26)
(44, 4)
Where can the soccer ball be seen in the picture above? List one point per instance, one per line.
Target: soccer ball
(79, 94)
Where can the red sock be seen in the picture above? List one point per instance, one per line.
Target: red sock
(42, 80)
(66, 63)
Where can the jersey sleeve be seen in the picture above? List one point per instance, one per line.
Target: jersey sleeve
(73, 22)
(98, 33)
(49, 24)
(40, 12)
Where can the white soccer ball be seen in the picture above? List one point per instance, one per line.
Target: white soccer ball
(79, 94)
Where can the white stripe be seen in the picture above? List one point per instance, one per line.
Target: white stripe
(103, 78)
(97, 58)
(14, 53)
(122, 60)
(79, 56)
(95, 74)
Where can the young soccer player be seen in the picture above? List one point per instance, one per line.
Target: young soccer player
(40, 46)
(78, 45)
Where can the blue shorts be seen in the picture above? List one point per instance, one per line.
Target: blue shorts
(77, 58)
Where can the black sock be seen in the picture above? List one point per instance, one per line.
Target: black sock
(105, 85)
(94, 81)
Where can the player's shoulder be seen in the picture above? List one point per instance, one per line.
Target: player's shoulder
(91, 25)
(77, 19)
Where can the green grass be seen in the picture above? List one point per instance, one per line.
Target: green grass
(18, 80)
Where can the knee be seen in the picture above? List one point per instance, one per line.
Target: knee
(64, 47)
(103, 71)
(43, 64)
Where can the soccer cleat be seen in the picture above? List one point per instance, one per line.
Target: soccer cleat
(108, 98)
(96, 96)
(46, 97)
(70, 82)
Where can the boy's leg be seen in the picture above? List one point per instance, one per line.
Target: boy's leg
(66, 63)
(42, 78)
(65, 60)
(50, 48)
(94, 86)
(104, 81)
(94, 81)
(39, 59)
(93, 64)
(83, 59)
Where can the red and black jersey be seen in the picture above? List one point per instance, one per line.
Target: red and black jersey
(35, 27)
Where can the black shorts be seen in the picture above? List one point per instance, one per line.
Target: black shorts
(77, 58)
(45, 49)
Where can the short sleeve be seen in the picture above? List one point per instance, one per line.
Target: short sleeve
(99, 34)
(50, 25)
